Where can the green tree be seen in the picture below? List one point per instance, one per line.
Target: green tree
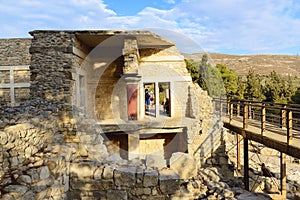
(240, 94)
(296, 97)
(289, 89)
(253, 90)
(274, 89)
(192, 69)
(207, 76)
(230, 80)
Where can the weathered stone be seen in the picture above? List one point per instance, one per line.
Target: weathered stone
(169, 181)
(82, 171)
(125, 176)
(24, 179)
(28, 196)
(116, 194)
(157, 161)
(20, 189)
(185, 165)
(98, 173)
(44, 172)
(150, 178)
(108, 172)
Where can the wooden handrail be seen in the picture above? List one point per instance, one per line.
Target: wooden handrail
(284, 120)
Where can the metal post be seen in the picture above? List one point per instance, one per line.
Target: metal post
(263, 119)
(246, 165)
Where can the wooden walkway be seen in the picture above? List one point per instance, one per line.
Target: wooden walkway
(274, 137)
(274, 125)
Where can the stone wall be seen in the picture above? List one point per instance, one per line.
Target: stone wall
(50, 149)
(92, 180)
(15, 51)
(51, 65)
(36, 153)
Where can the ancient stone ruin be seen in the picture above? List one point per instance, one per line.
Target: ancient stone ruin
(73, 123)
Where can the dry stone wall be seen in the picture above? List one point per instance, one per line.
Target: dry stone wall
(15, 51)
(51, 150)
(51, 65)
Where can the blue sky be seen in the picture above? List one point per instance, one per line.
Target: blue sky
(222, 26)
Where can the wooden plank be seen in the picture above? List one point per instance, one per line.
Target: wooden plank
(272, 142)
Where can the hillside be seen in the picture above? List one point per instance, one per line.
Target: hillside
(261, 64)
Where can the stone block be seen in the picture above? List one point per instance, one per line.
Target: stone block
(169, 181)
(156, 161)
(150, 178)
(116, 194)
(125, 176)
(82, 171)
(108, 172)
(44, 172)
(184, 164)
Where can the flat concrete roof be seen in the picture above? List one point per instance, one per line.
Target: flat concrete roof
(92, 38)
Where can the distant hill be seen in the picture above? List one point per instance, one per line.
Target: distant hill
(261, 64)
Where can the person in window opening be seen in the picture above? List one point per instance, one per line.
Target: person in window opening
(147, 100)
(167, 106)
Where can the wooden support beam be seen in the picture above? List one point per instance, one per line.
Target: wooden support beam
(283, 174)
(246, 164)
(238, 156)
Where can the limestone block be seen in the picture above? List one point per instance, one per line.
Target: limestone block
(28, 196)
(184, 164)
(125, 176)
(24, 179)
(108, 172)
(98, 173)
(150, 178)
(44, 172)
(169, 181)
(116, 194)
(82, 171)
(3, 138)
(156, 161)
(16, 189)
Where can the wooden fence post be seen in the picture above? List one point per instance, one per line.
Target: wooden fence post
(245, 116)
(230, 112)
(263, 119)
(238, 108)
(289, 126)
(283, 117)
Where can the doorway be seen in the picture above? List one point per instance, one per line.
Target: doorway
(157, 99)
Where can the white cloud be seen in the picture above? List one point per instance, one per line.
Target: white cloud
(171, 1)
(238, 26)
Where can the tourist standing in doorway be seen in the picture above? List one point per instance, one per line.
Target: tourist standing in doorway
(147, 100)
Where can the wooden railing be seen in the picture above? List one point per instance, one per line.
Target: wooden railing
(267, 116)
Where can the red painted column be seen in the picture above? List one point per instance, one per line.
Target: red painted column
(132, 101)
(132, 88)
